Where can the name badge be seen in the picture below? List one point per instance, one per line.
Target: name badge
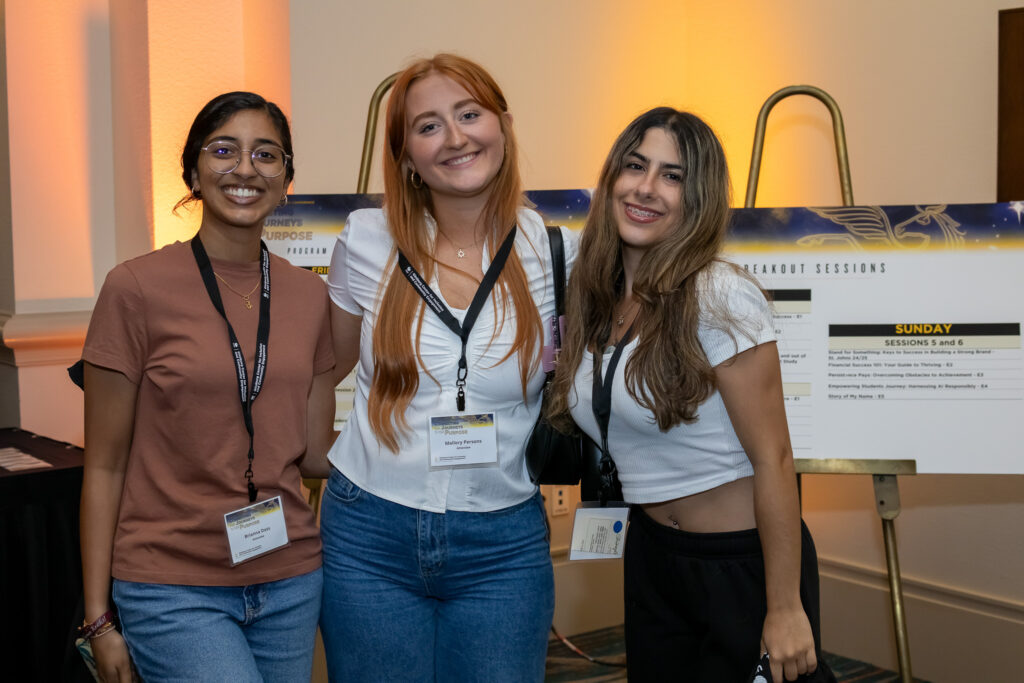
(467, 439)
(599, 533)
(256, 530)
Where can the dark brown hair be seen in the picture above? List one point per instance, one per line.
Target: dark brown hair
(212, 116)
(668, 373)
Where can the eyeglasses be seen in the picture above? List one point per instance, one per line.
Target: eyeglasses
(223, 157)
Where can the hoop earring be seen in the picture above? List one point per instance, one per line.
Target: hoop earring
(284, 201)
(415, 179)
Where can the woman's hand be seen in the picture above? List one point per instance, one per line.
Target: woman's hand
(787, 639)
(112, 659)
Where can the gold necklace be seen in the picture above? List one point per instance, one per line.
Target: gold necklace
(621, 320)
(245, 297)
(459, 251)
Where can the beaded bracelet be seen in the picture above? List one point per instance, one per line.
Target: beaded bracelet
(88, 630)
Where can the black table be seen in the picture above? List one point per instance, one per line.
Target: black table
(40, 568)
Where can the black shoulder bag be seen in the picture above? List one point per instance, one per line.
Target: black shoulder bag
(554, 457)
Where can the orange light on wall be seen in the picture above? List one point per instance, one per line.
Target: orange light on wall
(59, 148)
(199, 49)
(735, 62)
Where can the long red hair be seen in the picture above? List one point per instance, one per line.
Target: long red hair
(395, 371)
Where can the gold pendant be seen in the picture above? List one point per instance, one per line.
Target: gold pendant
(248, 304)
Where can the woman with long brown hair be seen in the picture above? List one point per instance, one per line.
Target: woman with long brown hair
(670, 356)
(437, 564)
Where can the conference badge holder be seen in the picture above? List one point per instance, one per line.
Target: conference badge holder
(255, 530)
(463, 440)
(599, 532)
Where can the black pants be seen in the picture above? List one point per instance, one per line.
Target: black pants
(695, 603)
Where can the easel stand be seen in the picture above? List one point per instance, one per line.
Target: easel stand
(884, 472)
(887, 502)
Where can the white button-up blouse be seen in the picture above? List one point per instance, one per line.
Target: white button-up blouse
(356, 282)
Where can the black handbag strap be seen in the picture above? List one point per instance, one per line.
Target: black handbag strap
(557, 271)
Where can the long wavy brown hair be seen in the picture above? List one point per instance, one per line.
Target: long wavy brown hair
(396, 362)
(668, 373)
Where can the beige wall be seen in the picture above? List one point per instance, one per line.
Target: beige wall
(61, 199)
(556, 61)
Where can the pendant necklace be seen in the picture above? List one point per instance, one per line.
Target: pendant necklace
(460, 252)
(245, 297)
(621, 320)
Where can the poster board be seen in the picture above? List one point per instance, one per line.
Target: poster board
(899, 327)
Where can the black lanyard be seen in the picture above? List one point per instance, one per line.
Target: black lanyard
(461, 331)
(601, 404)
(259, 370)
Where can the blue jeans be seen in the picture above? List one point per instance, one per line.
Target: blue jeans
(263, 632)
(418, 596)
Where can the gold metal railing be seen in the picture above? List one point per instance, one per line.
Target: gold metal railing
(838, 131)
(371, 132)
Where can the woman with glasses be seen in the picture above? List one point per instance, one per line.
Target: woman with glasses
(208, 394)
(670, 353)
(436, 561)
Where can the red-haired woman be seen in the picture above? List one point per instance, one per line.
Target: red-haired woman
(437, 564)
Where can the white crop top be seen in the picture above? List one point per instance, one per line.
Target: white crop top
(656, 466)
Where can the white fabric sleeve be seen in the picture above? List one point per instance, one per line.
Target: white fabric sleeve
(571, 246)
(752, 314)
(337, 276)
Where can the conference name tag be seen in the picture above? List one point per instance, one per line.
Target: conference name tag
(256, 530)
(599, 533)
(465, 439)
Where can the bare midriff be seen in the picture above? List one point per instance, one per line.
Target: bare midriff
(729, 507)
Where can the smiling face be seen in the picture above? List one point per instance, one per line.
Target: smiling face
(647, 197)
(453, 142)
(242, 198)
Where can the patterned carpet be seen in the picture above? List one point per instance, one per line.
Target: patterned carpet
(565, 666)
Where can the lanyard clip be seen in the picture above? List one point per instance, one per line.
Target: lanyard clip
(460, 382)
(248, 478)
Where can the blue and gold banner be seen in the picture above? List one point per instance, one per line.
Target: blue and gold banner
(898, 327)
(305, 229)
(915, 227)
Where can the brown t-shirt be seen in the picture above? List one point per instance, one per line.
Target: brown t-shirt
(154, 322)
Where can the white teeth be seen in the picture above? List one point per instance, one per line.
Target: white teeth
(241, 192)
(460, 160)
(642, 213)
